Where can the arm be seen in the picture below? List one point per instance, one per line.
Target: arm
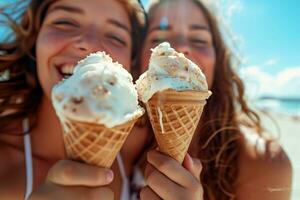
(266, 175)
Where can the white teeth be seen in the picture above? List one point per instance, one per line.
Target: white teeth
(67, 69)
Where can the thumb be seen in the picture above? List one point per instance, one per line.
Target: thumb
(193, 165)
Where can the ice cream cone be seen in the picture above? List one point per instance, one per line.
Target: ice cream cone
(174, 116)
(95, 116)
(94, 143)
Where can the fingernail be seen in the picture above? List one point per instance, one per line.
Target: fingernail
(109, 176)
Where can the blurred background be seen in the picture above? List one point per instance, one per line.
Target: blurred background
(265, 35)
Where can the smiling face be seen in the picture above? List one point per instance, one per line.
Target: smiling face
(183, 24)
(72, 29)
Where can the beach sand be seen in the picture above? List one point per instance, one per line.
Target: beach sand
(289, 138)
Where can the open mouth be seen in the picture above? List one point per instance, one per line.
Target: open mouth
(65, 70)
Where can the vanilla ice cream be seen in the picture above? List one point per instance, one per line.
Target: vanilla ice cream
(169, 69)
(99, 91)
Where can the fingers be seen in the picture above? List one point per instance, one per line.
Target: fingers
(162, 185)
(193, 165)
(172, 169)
(73, 180)
(148, 170)
(71, 173)
(148, 194)
(53, 191)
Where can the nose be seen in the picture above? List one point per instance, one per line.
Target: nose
(183, 48)
(89, 42)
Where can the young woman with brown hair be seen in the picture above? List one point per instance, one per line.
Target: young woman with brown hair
(49, 38)
(239, 160)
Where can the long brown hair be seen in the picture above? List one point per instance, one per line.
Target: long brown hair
(20, 93)
(218, 133)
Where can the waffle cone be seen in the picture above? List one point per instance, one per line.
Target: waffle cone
(174, 117)
(94, 143)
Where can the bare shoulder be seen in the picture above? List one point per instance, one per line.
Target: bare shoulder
(265, 171)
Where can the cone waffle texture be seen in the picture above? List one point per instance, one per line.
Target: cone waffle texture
(94, 143)
(178, 113)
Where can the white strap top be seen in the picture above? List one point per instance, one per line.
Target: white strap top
(125, 193)
(28, 159)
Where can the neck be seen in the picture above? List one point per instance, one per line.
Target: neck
(47, 141)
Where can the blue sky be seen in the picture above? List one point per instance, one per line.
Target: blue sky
(270, 30)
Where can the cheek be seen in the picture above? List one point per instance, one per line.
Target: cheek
(49, 43)
(144, 58)
(206, 58)
(120, 55)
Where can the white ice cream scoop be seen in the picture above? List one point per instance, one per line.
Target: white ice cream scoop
(169, 69)
(99, 91)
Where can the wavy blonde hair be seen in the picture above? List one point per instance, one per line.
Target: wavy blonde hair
(20, 93)
(218, 133)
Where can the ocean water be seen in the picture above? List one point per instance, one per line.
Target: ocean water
(279, 106)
